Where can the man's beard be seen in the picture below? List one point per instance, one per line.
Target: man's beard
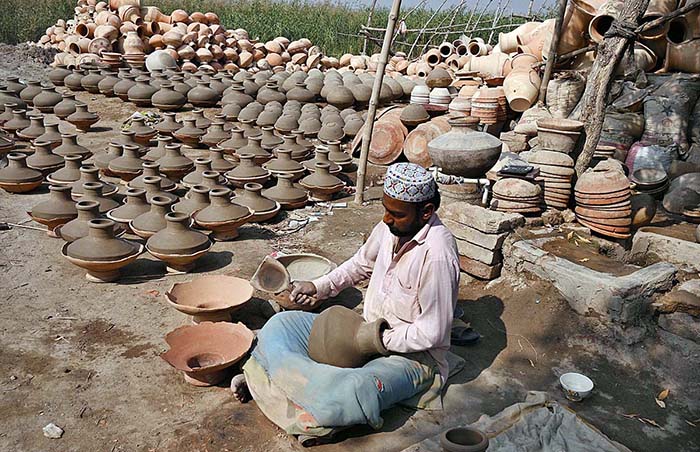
(410, 233)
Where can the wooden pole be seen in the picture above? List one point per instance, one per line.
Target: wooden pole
(369, 23)
(594, 100)
(372, 109)
(552, 56)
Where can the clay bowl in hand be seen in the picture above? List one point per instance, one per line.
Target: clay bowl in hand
(210, 298)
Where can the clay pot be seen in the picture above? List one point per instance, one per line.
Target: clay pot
(152, 169)
(101, 253)
(168, 125)
(51, 135)
(464, 157)
(235, 142)
(7, 114)
(205, 351)
(106, 85)
(269, 140)
(464, 439)
(299, 152)
(18, 122)
(32, 90)
(558, 134)
(134, 206)
(215, 134)
(47, 99)
(284, 164)
(222, 217)
(133, 44)
(93, 191)
(58, 74)
(90, 173)
(337, 156)
(413, 115)
(509, 42)
(263, 208)
(148, 223)
(121, 89)
(254, 148)
(69, 173)
(201, 165)
(189, 133)
(218, 162)
(33, 131)
(142, 92)
(16, 177)
(360, 341)
(57, 210)
(195, 199)
(79, 227)
(128, 165)
(82, 119)
(340, 97)
(142, 133)
(167, 99)
(203, 96)
(321, 184)
(286, 193)
(178, 245)
(173, 164)
(331, 131)
(521, 86)
(102, 160)
(247, 171)
(43, 159)
(210, 298)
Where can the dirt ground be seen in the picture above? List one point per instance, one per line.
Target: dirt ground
(86, 356)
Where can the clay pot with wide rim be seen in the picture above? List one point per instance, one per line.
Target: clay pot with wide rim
(201, 165)
(94, 191)
(142, 92)
(205, 351)
(102, 159)
(127, 166)
(286, 193)
(17, 177)
(90, 173)
(558, 134)
(18, 122)
(58, 74)
(143, 134)
(222, 217)
(247, 171)
(203, 96)
(43, 159)
(215, 134)
(79, 227)
(69, 146)
(197, 198)
(82, 119)
(101, 253)
(263, 209)
(167, 99)
(47, 99)
(69, 173)
(218, 162)
(55, 211)
(173, 164)
(33, 131)
(121, 89)
(459, 156)
(152, 169)
(152, 185)
(189, 133)
(521, 86)
(210, 298)
(32, 90)
(134, 206)
(284, 164)
(51, 135)
(177, 244)
(169, 125)
(148, 223)
(321, 184)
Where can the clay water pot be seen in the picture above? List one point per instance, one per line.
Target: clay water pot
(286, 123)
(340, 97)
(321, 156)
(249, 128)
(58, 74)
(17, 177)
(210, 298)
(51, 135)
(509, 42)
(32, 90)
(299, 152)
(521, 86)
(236, 95)
(337, 156)
(152, 169)
(133, 44)
(101, 253)
(464, 439)
(47, 99)
(286, 193)
(603, 19)
(189, 133)
(152, 185)
(331, 131)
(167, 99)
(215, 134)
(235, 142)
(177, 244)
(6, 97)
(358, 343)
(91, 81)
(201, 121)
(57, 210)
(218, 162)
(128, 165)
(79, 227)
(201, 165)
(321, 184)
(43, 159)
(13, 84)
(143, 134)
(459, 156)
(203, 96)
(7, 114)
(173, 164)
(134, 206)
(18, 122)
(142, 92)
(93, 191)
(254, 147)
(148, 223)
(247, 171)
(73, 81)
(222, 217)
(69, 146)
(270, 93)
(90, 173)
(558, 134)
(197, 198)
(70, 171)
(102, 159)
(284, 164)
(169, 125)
(205, 351)
(263, 208)
(121, 89)
(82, 119)
(269, 140)
(33, 131)
(577, 18)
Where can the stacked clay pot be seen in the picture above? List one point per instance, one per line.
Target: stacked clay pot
(603, 200)
(516, 196)
(556, 172)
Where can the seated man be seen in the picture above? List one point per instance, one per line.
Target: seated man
(412, 265)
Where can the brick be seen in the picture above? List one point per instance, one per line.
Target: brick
(478, 269)
(478, 253)
(471, 235)
(482, 219)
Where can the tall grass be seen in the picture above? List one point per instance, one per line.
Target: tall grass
(326, 24)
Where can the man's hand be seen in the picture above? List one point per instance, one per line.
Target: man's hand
(303, 293)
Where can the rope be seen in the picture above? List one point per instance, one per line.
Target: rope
(623, 29)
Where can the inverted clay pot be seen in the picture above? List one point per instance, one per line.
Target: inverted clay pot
(222, 217)
(210, 298)
(177, 244)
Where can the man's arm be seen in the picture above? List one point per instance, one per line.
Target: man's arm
(439, 285)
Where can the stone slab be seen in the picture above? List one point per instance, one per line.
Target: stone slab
(481, 218)
(619, 299)
(478, 253)
(471, 235)
(478, 269)
(683, 253)
(681, 324)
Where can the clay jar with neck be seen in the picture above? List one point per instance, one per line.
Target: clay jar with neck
(461, 157)
(263, 208)
(66, 106)
(235, 142)
(128, 166)
(340, 337)
(34, 130)
(218, 162)
(284, 164)
(82, 119)
(143, 134)
(254, 148)
(203, 96)
(152, 169)
(141, 93)
(197, 198)
(90, 173)
(102, 159)
(18, 122)
(16, 177)
(44, 159)
(93, 191)
(72, 81)
(101, 253)
(222, 217)
(322, 184)
(173, 164)
(134, 206)
(247, 171)
(269, 140)
(69, 173)
(215, 134)
(159, 150)
(299, 152)
(152, 185)
(336, 155)
(167, 99)
(57, 210)
(201, 165)
(189, 133)
(147, 224)
(32, 90)
(79, 228)
(47, 99)
(286, 193)
(322, 157)
(58, 74)
(69, 146)
(51, 135)
(122, 88)
(177, 244)
(169, 125)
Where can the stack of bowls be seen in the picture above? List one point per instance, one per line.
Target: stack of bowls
(516, 196)
(112, 59)
(440, 97)
(489, 105)
(652, 181)
(556, 134)
(420, 94)
(603, 201)
(556, 172)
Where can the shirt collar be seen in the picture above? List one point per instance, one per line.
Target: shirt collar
(419, 238)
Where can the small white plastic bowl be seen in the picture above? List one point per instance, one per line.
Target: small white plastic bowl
(576, 386)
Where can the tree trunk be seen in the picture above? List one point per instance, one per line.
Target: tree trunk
(594, 99)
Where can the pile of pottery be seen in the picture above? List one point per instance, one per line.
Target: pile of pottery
(516, 195)
(556, 173)
(560, 135)
(603, 200)
(489, 105)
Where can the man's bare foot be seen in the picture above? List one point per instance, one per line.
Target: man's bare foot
(239, 387)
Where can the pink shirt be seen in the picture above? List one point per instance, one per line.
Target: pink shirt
(415, 290)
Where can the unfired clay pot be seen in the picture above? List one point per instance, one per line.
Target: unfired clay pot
(44, 159)
(284, 164)
(82, 119)
(94, 191)
(210, 298)
(286, 193)
(147, 224)
(66, 106)
(263, 208)
(152, 169)
(69, 146)
(79, 227)
(247, 171)
(47, 99)
(134, 206)
(321, 184)
(222, 217)
(101, 253)
(57, 210)
(127, 166)
(69, 173)
(218, 162)
(169, 125)
(173, 164)
(167, 99)
(17, 177)
(178, 245)
(196, 199)
(189, 133)
(340, 337)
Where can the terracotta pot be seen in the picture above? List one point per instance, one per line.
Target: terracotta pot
(82, 119)
(201, 165)
(432, 57)
(477, 47)
(509, 42)
(173, 164)
(461, 157)
(656, 9)
(101, 253)
(58, 73)
(210, 298)
(178, 245)
(606, 14)
(142, 92)
(90, 174)
(284, 164)
(147, 224)
(577, 18)
(18, 122)
(254, 147)
(286, 193)
(537, 41)
(134, 206)
(558, 134)
(522, 88)
(222, 217)
(17, 177)
(218, 162)
(247, 171)
(128, 165)
(361, 342)
(215, 134)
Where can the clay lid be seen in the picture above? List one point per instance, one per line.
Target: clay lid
(206, 346)
(568, 125)
(551, 158)
(516, 188)
(602, 182)
(209, 294)
(414, 114)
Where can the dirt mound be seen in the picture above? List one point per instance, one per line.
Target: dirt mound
(25, 61)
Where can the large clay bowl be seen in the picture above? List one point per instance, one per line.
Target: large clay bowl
(102, 271)
(204, 352)
(210, 298)
(387, 142)
(601, 182)
(306, 266)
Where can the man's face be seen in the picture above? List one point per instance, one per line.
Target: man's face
(402, 218)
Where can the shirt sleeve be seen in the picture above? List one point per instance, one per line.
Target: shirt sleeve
(356, 269)
(437, 292)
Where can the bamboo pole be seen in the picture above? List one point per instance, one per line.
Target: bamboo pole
(369, 22)
(372, 109)
(551, 58)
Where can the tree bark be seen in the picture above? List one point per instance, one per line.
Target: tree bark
(594, 99)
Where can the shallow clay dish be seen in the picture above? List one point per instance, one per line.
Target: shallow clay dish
(306, 266)
(210, 298)
(204, 352)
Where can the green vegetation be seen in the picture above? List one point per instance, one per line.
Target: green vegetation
(325, 24)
